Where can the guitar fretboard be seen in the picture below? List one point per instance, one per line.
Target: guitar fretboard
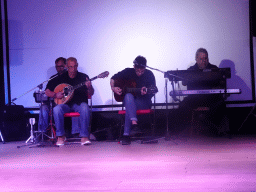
(132, 90)
(81, 84)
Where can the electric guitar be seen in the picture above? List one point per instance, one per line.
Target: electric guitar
(130, 87)
(68, 90)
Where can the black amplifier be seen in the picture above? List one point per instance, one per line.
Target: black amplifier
(13, 123)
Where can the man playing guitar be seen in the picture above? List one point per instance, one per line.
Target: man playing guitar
(78, 102)
(137, 77)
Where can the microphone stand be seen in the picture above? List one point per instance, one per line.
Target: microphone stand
(172, 79)
(32, 139)
(40, 86)
(167, 136)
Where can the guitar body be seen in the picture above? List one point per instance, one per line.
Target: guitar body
(67, 96)
(123, 85)
(68, 90)
(129, 86)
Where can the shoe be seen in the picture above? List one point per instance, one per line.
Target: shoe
(126, 140)
(135, 130)
(85, 141)
(61, 140)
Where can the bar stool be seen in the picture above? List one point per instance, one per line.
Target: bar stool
(72, 114)
(150, 112)
(195, 122)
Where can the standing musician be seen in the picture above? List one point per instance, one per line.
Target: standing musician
(60, 65)
(77, 102)
(137, 77)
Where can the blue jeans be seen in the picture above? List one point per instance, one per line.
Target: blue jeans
(132, 104)
(43, 117)
(79, 124)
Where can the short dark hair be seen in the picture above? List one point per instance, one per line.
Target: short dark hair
(60, 59)
(140, 62)
(201, 50)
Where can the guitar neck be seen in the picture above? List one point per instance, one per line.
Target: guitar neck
(83, 83)
(92, 79)
(134, 90)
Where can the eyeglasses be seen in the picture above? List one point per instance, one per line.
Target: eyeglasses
(70, 67)
(59, 66)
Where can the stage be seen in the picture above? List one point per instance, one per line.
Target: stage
(197, 164)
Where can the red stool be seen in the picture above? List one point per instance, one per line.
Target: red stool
(76, 114)
(72, 114)
(138, 112)
(150, 112)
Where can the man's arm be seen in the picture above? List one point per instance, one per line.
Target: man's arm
(52, 94)
(150, 88)
(90, 91)
(116, 90)
(89, 86)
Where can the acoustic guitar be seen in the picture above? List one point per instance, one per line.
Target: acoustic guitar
(68, 90)
(130, 87)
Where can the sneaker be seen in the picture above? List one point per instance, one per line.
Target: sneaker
(85, 141)
(126, 140)
(61, 140)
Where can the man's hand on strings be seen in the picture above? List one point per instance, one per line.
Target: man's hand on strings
(117, 90)
(143, 91)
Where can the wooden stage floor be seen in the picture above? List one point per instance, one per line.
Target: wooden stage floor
(198, 164)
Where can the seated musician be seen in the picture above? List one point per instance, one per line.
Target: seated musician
(215, 102)
(60, 65)
(137, 77)
(77, 102)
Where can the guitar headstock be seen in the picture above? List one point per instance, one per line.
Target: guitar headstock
(103, 75)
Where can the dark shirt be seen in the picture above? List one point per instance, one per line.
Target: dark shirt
(80, 94)
(209, 66)
(147, 79)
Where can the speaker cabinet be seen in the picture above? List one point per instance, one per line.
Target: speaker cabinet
(13, 123)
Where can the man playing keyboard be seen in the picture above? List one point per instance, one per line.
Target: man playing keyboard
(214, 102)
